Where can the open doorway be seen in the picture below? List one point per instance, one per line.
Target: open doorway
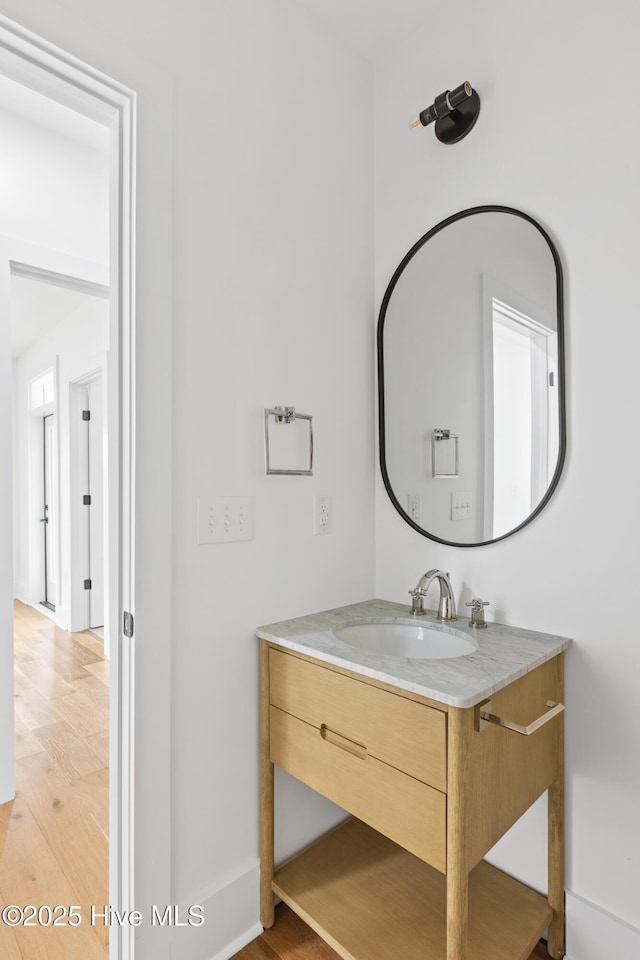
(60, 346)
(60, 350)
(73, 256)
(520, 349)
(525, 358)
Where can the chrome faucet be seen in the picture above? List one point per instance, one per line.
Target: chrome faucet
(447, 604)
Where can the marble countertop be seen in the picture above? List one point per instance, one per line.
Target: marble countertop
(504, 653)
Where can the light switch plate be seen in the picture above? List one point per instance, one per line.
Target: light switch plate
(224, 519)
(461, 505)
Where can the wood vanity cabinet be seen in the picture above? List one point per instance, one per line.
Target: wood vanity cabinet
(430, 794)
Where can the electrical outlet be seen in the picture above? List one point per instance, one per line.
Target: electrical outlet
(223, 519)
(413, 502)
(322, 515)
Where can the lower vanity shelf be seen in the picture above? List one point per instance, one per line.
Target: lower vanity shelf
(372, 900)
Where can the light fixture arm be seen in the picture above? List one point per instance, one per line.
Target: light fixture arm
(454, 113)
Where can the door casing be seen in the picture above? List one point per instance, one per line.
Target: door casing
(49, 517)
(43, 67)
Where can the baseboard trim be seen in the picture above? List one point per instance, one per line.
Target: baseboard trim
(38, 607)
(232, 948)
(231, 919)
(8, 794)
(593, 933)
(20, 591)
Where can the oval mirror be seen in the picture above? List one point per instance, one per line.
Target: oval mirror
(471, 377)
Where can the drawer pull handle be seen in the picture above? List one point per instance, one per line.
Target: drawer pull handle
(351, 746)
(484, 718)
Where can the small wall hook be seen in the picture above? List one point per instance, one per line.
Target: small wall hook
(454, 112)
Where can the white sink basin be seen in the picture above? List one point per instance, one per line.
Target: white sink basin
(400, 638)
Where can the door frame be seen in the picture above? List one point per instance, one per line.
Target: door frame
(42, 66)
(79, 555)
(29, 589)
(49, 503)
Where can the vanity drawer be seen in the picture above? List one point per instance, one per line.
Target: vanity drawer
(402, 733)
(399, 806)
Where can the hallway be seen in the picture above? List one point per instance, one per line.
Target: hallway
(54, 835)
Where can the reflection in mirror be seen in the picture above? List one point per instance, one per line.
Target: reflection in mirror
(470, 357)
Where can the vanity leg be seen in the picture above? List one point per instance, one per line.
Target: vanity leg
(460, 727)
(555, 841)
(556, 945)
(266, 797)
(457, 912)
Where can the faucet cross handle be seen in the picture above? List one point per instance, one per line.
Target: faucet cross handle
(417, 602)
(477, 613)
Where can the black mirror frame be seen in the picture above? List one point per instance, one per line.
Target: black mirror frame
(562, 431)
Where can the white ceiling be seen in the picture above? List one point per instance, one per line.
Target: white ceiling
(370, 25)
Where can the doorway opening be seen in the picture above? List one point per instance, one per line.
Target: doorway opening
(55, 374)
(62, 472)
(520, 363)
(525, 354)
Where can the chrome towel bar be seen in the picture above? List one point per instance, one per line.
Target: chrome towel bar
(484, 718)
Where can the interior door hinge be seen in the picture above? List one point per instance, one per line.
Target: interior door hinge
(87, 584)
(86, 499)
(128, 624)
(86, 414)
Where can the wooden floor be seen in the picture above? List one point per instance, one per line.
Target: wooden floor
(291, 939)
(54, 846)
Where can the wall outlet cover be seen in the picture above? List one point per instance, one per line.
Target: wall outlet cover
(322, 515)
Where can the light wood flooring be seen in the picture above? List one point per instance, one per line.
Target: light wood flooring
(291, 939)
(54, 836)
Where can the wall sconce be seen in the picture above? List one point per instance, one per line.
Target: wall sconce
(454, 111)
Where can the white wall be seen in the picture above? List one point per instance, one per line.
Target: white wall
(153, 294)
(272, 267)
(273, 305)
(73, 348)
(54, 190)
(566, 158)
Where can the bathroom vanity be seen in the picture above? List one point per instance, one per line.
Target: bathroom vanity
(435, 759)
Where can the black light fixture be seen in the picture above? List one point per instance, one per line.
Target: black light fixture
(454, 111)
